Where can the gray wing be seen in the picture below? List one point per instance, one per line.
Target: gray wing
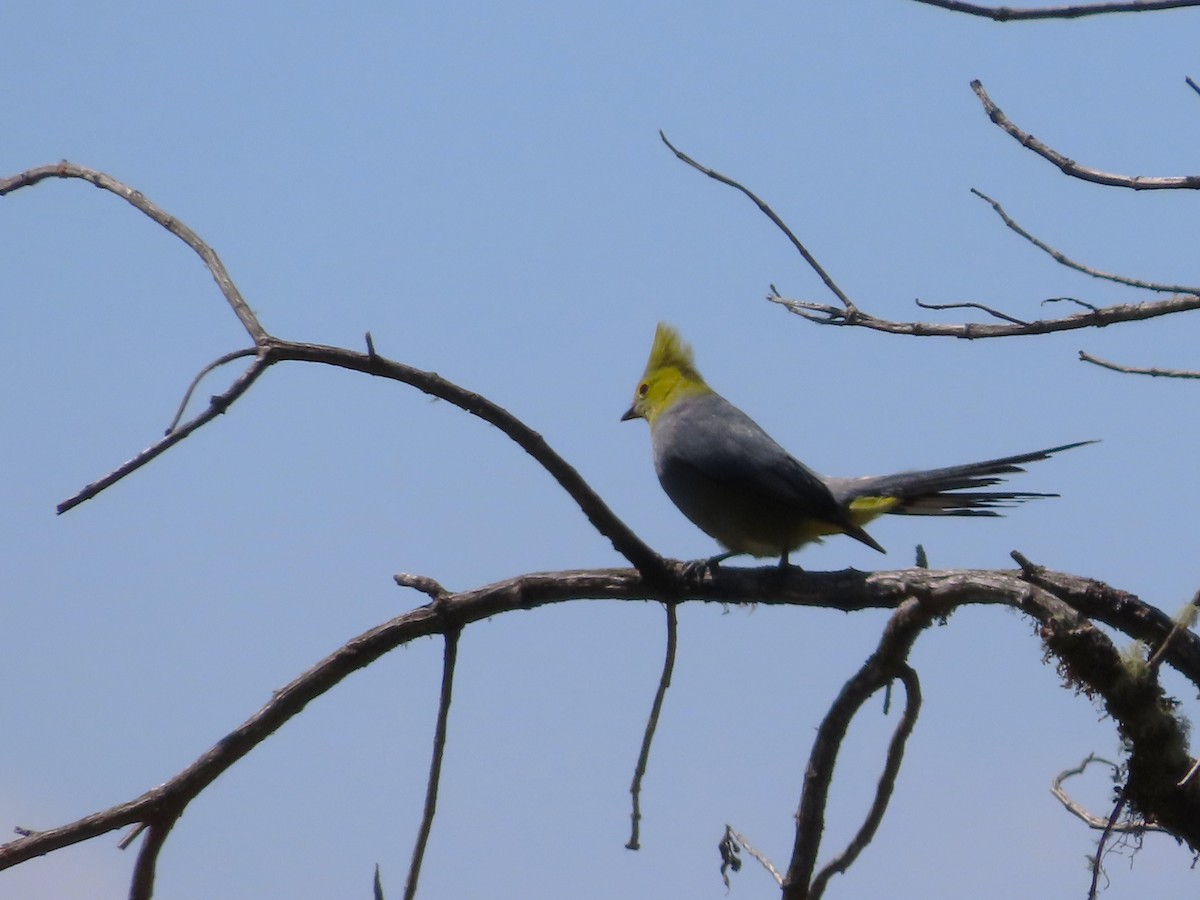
(710, 435)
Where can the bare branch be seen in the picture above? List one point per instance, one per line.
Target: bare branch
(1072, 168)
(1008, 14)
(217, 405)
(1049, 597)
(1152, 371)
(1092, 821)
(847, 313)
(849, 310)
(139, 201)
(597, 511)
(1062, 259)
(885, 664)
(639, 771)
(824, 314)
(887, 783)
(449, 660)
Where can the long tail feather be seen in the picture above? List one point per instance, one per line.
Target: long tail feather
(950, 491)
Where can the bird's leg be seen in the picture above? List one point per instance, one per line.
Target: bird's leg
(698, 567)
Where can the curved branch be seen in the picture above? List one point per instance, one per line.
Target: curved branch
(1008, 14)
(1093, 821)
(139, 201)
(597, 511)
(887, 783)
(1072, 168)
(888, 662)
(211, 367)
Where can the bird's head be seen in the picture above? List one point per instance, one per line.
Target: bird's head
(670, 376)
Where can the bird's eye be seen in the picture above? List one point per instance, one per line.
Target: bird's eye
(643, 389)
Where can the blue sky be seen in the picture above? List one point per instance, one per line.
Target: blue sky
(483, 188)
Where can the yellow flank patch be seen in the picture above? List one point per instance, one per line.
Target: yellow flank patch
(864, 509)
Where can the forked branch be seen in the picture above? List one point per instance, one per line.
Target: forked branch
(269, 350)
(847, 312)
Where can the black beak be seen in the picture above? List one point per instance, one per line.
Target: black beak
(630, 414)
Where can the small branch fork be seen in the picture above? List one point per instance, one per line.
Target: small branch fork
(268, 350)
(846, 312)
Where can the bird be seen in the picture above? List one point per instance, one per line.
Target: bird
(739, 486)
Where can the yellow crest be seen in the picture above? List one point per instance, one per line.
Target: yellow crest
(670, 351)
(670, 376)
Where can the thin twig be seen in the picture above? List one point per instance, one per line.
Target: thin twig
(1064, 260)
(1190, 83)
(1152, 371)
(971, 305)
(1094, 822)
(1098, 861)
(1091, 307)
(850, 310)
(639, 771)
(1008, 14)
(215, 364)
(1072, 168)
(435, 763)
(217, 405)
